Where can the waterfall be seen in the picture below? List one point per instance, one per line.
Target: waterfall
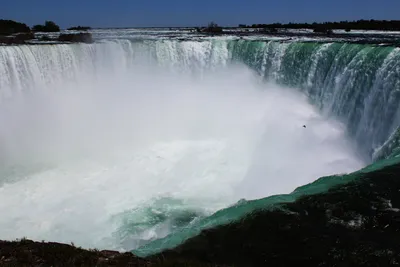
(357, 83)
(171, 146)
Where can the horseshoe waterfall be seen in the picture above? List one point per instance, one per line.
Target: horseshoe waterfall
(138, 144)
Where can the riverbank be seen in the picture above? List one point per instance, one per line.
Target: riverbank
(34, 39)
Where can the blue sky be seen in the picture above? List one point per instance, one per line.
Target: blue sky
(131, 13)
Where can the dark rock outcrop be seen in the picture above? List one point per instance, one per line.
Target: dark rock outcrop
(382, 25)
(25, 36)
(268, 30)
(20, 38)
(355, 224)
(45, 38)
(76, 38)
(212, 28)
(323, 30)
(29, 253)
(79, 28)
(26, 253)
(9, 40)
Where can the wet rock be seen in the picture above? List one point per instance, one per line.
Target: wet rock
(350, 225)
(24, 36)
(323, 30)
(356, 224)
(20, 38)
(29, 253)
(76, 38)
(212, 28)
(79, 28)
(45, 38)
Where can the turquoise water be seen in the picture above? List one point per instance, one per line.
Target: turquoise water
(244, 208)
(357, 84)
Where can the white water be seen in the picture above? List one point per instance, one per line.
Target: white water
(94, 140)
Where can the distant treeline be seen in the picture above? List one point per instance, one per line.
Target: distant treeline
(211, 28)
(9, 27)
(79, 28)
(12, 32)
(49, 26)
(384, 25)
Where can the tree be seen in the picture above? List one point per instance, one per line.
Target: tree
(79, 28)
(213, 28)
(212, 24)
(8, 27)
(49, 26)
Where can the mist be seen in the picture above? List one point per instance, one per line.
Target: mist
(77, 153)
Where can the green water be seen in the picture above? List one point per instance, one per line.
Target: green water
(243, 208)
(358, 84)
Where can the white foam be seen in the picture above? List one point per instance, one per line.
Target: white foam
(112, 140)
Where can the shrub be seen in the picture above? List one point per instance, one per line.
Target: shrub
(213, 28)
(79, 28)
(49, 26)
(76, 38)
(8, 27)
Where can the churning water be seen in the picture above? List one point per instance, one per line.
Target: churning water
(115, 144)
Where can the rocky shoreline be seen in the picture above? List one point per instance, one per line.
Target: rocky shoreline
(356, 224)
(24, 253)
(16, 33)
(86, 37)
(31, 38)
(357, 38)
(30, 253)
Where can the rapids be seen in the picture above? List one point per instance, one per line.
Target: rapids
(122, 142)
